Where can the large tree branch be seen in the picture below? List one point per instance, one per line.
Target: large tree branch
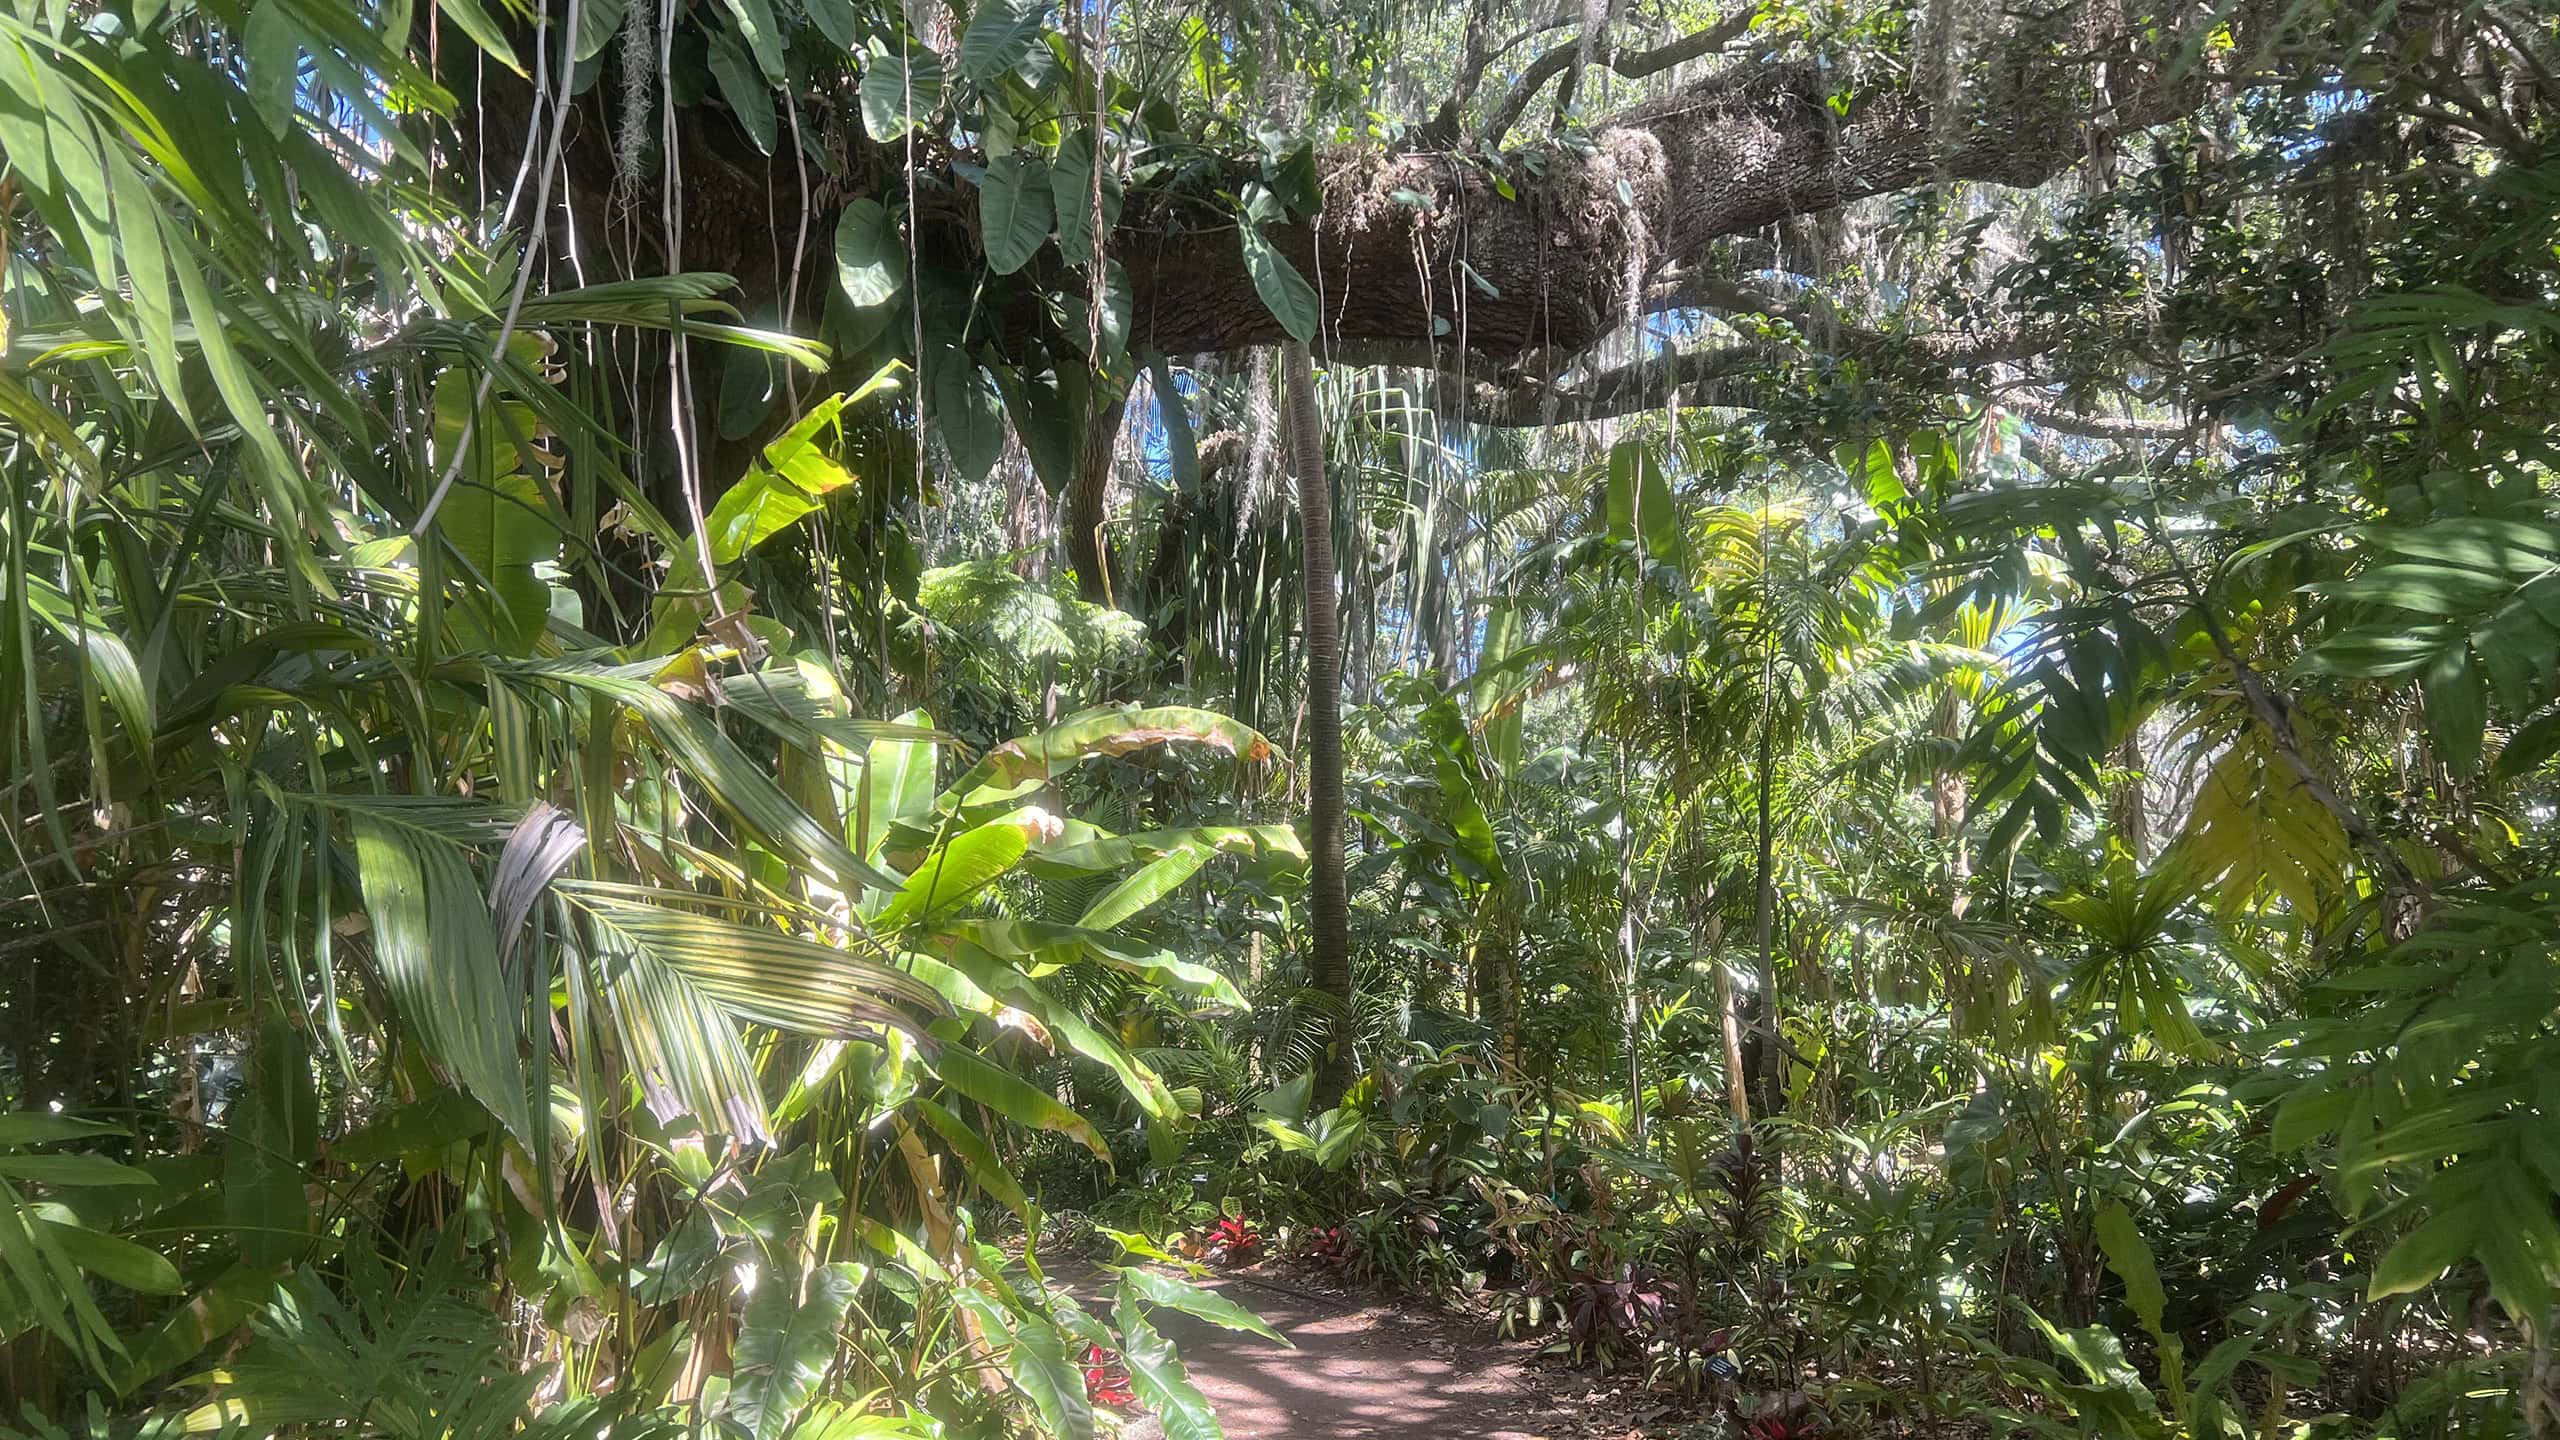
(1635, 66)
(1430, 249)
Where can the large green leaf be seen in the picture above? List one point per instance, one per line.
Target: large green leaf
(1149, 1287)
(112, 1257)
(897, 784)
(1161, 1382)
(1082, 849)
(1055, 1383)
(765, 503)
(1015, 1098)
(716, 764)
(956, 870)
(1018, 767)
(1015, 214)
(1141, 891)
(1291, 299)
(785, 1344)
(1000, 34)
(871, 266)
(1039, 942)
(1071, 187)
(898, 96)
(758, 972)
(967, 411)
(438, 956)
(748, 96)
(978, 1160)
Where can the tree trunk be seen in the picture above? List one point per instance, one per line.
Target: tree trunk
(1088, 501)
(1770, 1066)
(2128, 810)
(1737, 1088)
(1329, 904)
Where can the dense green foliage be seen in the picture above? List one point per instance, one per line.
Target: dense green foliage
(1953, 825)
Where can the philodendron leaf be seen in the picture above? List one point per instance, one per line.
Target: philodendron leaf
(871, 267)
(1000, 34)
(901, 93)
(1147, 1287)
(1158, 1377)
(1015, 212)
(1291, 298)
(1042, 1370)
(785, 1344)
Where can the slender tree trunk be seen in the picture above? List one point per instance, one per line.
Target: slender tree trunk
(2128, 810)
(1088, 500)
(2542, 1378)
(1737, 1088)
(1947, 802)
(1772, 1063)
(1329, 904)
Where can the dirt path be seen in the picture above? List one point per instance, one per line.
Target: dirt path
(1361, 1370)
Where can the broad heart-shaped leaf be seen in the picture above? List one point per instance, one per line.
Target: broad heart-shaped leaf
(1291, 298)
(835, 20)
(1055, 1383)
(1015, 214)
(785, 1344)
(966, 411)
(598, 22)
(1000, 34)
(743, 89)
(438, 955)
(1015, 1098)
(898, 97)
(969, 862)
(1162, 1384)
(1150, 1288)
(1071, 187)
(871, 266)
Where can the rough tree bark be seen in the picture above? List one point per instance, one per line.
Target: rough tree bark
(1329, 898)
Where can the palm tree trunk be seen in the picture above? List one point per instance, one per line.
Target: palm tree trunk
(1329, 907)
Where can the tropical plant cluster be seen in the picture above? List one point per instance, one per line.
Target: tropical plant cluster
(767, 717)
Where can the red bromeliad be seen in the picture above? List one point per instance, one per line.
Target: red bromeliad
(1106, 1380)
(1234, 1240)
